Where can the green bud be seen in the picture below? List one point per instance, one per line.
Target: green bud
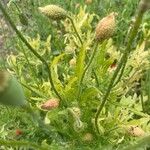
(54, 12)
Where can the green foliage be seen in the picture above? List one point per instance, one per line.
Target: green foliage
(58, 43)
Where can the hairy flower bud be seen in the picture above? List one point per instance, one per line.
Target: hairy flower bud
(88, 1)
(88, 137)
(106, 27)
(72, 62)
(135, 131)
(53, 12)
(50, 104)
(18, 132)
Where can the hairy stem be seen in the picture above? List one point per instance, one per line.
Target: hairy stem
(7, 17)
(143, 7)
(89, 63)
(91, 59)
(122, 62)
(18, 9)
(85, 70)
(74, 27)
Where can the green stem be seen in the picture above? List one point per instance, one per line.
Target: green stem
(122, 62)
(28, 62)
(121, 74)
(107, 93)
(21, 144)
(17, 7)
(85, 70)
(89, 63)
(142, 101)
(33, 91)
(96, 78)
(143, 6)
(71, 20)
(148, 84)
(7, 17)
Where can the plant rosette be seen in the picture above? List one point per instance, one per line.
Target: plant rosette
(11, 92)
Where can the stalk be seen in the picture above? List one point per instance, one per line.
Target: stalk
(143, 7)
(123, 60)
(90, 60)
(89, 63)
(18, 9)
(74, 27)
(85, 70)
(7, 17)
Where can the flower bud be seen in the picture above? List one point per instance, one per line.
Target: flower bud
(50, 104)
(72, 62)
(77, 5)
(53, 12)
(135, 131)
(88, 137)
(106, 27)
(11, 92)
(18, 132)
(88, 1)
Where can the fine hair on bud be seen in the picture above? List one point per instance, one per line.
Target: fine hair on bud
(53, 12)
(106, 27)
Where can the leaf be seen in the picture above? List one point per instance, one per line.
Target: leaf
(54, 71)
(89, 93)
(71, 83)
(80, 62)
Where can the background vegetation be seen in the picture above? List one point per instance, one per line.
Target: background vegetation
(70, 123)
